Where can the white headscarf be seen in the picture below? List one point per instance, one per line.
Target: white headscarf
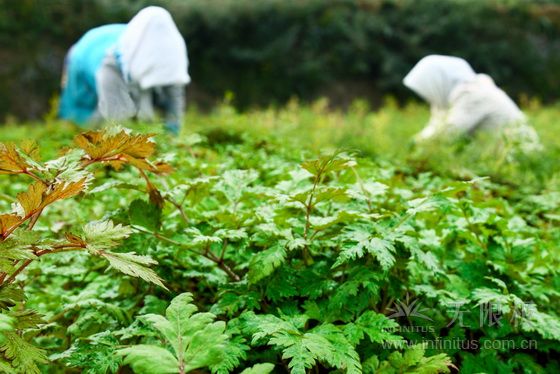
(435, 76)
(152, 51)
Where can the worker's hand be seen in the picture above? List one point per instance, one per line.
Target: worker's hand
(173, 128)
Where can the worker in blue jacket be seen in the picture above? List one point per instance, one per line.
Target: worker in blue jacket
(122, 71)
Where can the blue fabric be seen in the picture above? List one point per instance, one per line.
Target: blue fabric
(173, 128)
(79, 96)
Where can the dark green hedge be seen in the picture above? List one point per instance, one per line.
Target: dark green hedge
(266, 51)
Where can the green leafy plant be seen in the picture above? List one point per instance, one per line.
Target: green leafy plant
(196, 341)
(412, 361)
(297, 260)
(54, 181)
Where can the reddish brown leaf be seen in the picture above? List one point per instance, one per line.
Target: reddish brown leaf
(7, 222)
(100, 146)
(32, 199)
(31, 149)
(155, 195)
(64, 190)
(75, 240)
(11, 161)
(139, 163)
(162, 168)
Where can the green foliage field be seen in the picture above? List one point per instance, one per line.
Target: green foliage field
(295, 240)
(268, 51)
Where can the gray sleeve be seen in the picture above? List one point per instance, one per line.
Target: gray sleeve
(114, 100)
(145, 106)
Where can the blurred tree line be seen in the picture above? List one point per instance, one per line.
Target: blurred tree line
(267, 51)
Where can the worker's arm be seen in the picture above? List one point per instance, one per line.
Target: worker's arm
(114, 100)
(435, 126)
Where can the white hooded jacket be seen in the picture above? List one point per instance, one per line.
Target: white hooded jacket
(463, 102)
(479, 104)
(152, 51)
(150, 58)
(435, 76)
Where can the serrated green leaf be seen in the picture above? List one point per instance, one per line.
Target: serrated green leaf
(264, 263)
(150, 359)
(376, 326)
(197, 341)
(381, 249)
(259, 369)
(102, 235)
(133, 265)
(23, 355)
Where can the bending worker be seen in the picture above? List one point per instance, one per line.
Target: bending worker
(463, 102)
(122, 71)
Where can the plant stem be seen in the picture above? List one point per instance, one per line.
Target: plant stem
(87, 162)
(222, 265)
(34, 176)
(308, 208)
(34, 219)
(179, 208)
(26, 263)
(364, 191)
(471, 226)
(22, 267)
(209, 255)
(224, 246)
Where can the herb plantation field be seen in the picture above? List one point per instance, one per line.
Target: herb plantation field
(292, 240)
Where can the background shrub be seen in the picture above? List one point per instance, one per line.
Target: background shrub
(270, 50)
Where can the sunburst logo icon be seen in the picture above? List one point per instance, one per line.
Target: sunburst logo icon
(408, 308)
